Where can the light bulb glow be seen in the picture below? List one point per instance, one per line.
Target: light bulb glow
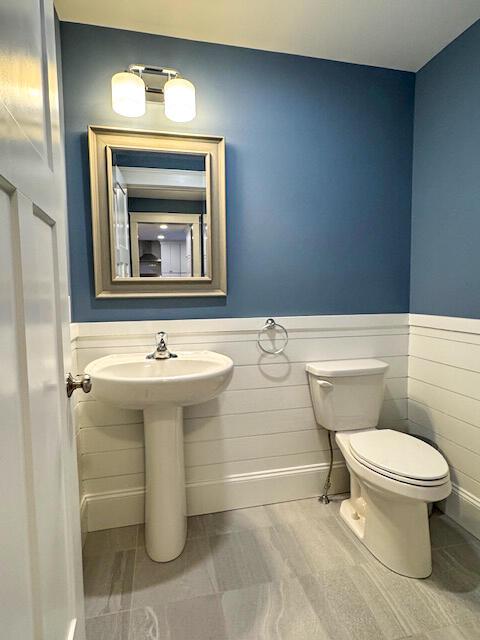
(128, 94)
(179, 100)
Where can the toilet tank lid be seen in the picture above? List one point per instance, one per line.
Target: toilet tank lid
(343, 368)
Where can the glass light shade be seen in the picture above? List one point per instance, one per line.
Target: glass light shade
(128, 94)
(179, 100)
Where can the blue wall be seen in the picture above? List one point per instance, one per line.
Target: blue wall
(445, 276)
(319, 160)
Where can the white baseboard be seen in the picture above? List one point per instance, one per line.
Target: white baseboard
(464, 508)
(123, 508)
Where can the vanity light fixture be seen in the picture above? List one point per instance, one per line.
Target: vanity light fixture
(131, 89)
(164, 226)
(128, 94)
(160, 237)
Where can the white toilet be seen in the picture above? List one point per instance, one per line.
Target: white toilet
(393, 476)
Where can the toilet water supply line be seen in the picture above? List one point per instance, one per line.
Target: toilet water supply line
(324, 499)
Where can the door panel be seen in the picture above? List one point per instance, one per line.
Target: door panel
(41, 586)
(29, 102)
(21, 42)
(17, 583)
(47, 424)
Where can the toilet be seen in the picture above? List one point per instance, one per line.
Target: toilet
(393, 476)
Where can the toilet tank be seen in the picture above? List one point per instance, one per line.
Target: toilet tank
(347, 394)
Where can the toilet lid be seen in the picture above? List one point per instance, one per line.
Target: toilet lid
(399, 454)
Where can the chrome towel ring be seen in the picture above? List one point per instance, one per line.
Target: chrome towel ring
(269, 325)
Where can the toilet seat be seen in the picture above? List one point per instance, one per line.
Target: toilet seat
(400, 457)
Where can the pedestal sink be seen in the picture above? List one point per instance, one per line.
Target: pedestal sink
(161, 388)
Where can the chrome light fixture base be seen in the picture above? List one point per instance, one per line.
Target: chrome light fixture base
(154, 79)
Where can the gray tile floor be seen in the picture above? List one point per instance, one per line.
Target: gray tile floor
(289, 571)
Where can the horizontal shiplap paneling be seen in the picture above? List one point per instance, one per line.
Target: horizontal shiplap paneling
(298, 350)
(444, 402)
(262, 423)
(458, 457)
(111, 438)
(462, 355)
(112, 450)
(462, 381)
(453, 404)
(446, 426)
(123, 434)
(85, 333)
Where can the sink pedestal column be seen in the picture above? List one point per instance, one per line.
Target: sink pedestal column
(165, 497)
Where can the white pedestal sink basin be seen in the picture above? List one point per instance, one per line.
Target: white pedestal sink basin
(161, 388)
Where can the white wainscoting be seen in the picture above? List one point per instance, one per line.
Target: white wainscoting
(444, 403)
(258, 442)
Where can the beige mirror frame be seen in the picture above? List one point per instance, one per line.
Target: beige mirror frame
(102, 141)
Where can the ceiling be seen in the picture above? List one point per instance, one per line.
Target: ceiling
(398, 34)
(151, 231)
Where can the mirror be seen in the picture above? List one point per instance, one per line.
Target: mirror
(158, 212)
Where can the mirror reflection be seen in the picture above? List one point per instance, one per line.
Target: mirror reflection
(159, 225)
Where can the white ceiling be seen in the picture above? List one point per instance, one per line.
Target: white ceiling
(398, 34)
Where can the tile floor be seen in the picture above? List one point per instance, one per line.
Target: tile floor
(289, 571)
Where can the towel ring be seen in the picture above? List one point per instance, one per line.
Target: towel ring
(271, 324)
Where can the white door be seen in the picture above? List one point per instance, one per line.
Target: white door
(40, 586)
(171, 266)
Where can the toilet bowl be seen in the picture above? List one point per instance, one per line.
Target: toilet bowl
(393, 476)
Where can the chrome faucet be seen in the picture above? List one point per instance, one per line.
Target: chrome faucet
(161, 352)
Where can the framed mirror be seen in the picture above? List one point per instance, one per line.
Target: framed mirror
(158, 213)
